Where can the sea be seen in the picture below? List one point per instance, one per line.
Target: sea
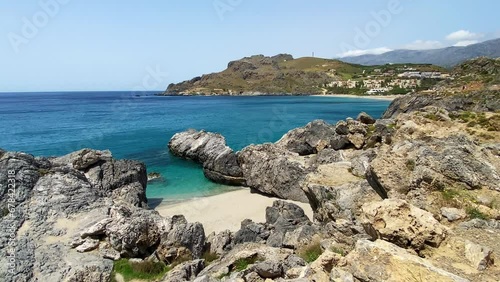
(139, 127)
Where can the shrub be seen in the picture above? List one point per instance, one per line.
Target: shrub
(42, 172)
(475, 213)
(338, 251)
(243, 263)
(410, 164)
(449, 194)
(209, 256)
(432, 116)
(4, 212)
(311, 252)
(147, 270)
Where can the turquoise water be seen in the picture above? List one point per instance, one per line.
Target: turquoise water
(132, 127)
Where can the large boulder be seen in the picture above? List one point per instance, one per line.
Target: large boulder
(310, 139)
(403, 224)
(289, 225)
(220, 163)
(186, 271)
(179, 234)
(274, 171)
(339, 202)
(83, 159)
(123, 180)
(134, 233)
(383, 261)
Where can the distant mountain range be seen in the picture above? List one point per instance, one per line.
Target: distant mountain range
(445, 57)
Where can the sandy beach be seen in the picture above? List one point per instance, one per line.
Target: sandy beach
(381, 97)
(225, 211)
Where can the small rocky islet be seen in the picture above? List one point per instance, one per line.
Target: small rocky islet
(412, 196)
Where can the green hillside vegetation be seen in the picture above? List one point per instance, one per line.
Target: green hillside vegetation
(282, 74)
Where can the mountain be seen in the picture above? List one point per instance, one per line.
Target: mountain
(445, 57)
(280, 74)
(270, 75)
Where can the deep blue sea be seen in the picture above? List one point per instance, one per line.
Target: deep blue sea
(133, 127)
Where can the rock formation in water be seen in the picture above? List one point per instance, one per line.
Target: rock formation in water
(220, 163)
(284, 168)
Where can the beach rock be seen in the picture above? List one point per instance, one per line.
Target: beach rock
(342, 128)
(178, 234)
(365, 118)
(319, 270)
(83, 159)
(383, 261)
(110, 254)
(220, 243)
(123, 180)
(273, 171)
(186, 271)
(285, 216)
(340, 275)
(339, 142)
(88, 245)
(480, 224)
(357, 139)
(134, 233)
(251, 232)
(403, 224)
(340, 202)
(310, 139)
(220, 163)
(327, 156)
(380, 133)
(97, 229)
(269, 269)
(453, 214)
(153, 176)
(361, 162)
(355, 127)
(479, 256)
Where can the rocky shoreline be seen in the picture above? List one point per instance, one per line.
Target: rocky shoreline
(413, 196)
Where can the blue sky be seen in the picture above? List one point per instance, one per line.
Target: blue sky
(59, 45)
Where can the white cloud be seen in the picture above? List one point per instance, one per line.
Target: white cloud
(359, 52)
(465, 43)
(423, 45)
(463, 35)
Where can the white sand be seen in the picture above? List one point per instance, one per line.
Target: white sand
(225, 211)
(378, 97)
